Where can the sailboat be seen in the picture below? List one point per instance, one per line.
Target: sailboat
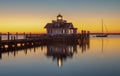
(102, 34)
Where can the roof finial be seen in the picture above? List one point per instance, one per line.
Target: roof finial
(59, 15)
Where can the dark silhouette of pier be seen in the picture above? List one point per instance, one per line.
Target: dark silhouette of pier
(31, 40)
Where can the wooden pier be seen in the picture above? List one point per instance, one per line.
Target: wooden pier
(37, 40)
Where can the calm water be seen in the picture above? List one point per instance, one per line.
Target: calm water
(98, 57)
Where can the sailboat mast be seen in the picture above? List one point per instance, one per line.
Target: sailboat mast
(102, 31)
(102, 26)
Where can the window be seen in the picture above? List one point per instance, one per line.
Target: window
(59, 18)
(63, 31)
(56, 30)
(71, 31)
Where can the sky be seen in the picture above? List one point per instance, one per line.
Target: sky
(33, 15)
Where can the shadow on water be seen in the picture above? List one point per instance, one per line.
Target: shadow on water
(58, 51)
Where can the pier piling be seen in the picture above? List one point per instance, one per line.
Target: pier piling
(0, 41)
(24, 35)
(8, 36)
(30, 34)
(0, 38)
(88, 34)
(14, 38)
(16, 35)
(11, 37)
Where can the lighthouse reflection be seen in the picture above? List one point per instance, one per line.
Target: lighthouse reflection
(60, 52)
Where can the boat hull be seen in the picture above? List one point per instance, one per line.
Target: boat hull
(105, 35)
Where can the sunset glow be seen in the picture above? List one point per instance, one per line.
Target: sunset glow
(32, 16)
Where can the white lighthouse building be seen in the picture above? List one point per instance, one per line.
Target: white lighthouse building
(60, 26)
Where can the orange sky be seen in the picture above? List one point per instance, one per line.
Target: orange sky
(24, 16)
(36, 24)
(13, 23)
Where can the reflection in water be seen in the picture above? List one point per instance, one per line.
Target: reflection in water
(87, 59)
(85, 44)
(62, 51)
(102, 40)
(58, 51)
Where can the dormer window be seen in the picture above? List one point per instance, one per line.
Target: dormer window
(59, 18)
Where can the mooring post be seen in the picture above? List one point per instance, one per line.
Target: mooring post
(88, 34)
(85, 34)
(12, 38)
(8, 36)
(81, 34)
(24, 35)
(16, 35)
(0, 40)
(0, 37)
(30, 34)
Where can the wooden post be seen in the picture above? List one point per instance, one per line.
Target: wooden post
(88, 34)
(24, 35)
(8, 36)
(0, 41)
(0, 37)
(84, 34)
(16, 35)
(0, 44)
(30, 34)
(11, 37)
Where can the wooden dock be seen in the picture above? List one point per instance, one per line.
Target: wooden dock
(37, 40)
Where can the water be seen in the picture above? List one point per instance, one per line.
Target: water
(98, 57)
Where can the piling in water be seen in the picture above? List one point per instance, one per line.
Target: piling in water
(0, 41)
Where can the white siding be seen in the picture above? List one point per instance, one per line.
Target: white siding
(55, 31)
